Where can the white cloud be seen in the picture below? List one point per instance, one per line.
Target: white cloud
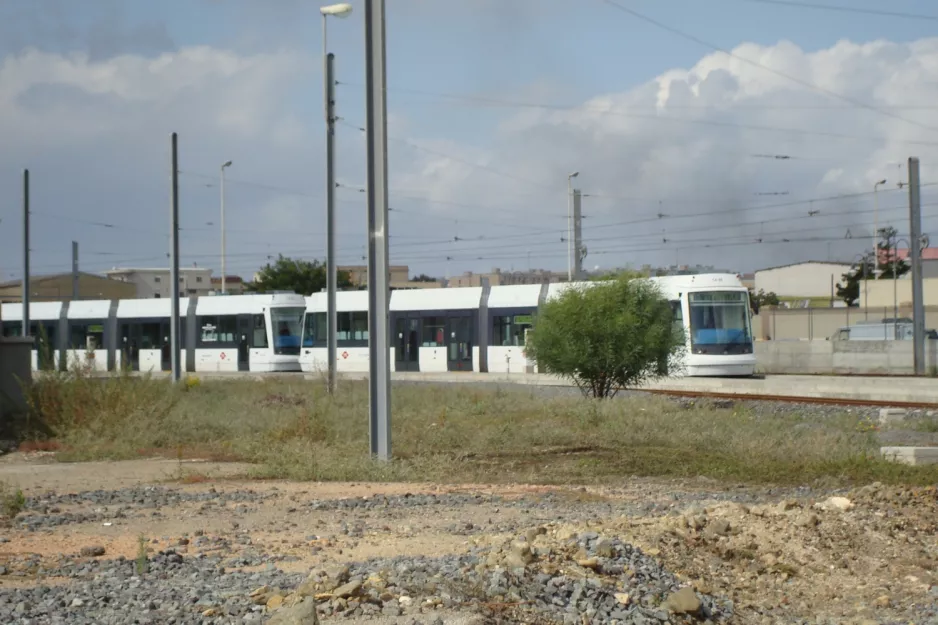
(684, 142)
(95, 132)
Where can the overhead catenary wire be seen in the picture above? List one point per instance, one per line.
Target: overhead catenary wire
(846, 9)
(805, 83)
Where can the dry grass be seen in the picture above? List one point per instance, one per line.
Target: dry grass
(450, 433)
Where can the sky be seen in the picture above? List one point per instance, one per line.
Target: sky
(741, 134)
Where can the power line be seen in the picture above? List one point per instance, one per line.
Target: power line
(804, 83)
(598, 111)
(846, 9)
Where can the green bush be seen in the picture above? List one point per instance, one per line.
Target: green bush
(607, 335)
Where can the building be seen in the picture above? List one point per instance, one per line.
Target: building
(58, 287)
(808, 280)
(929, 260)
(193, 281)
(497, 277)
(234, 285)
(399, 278)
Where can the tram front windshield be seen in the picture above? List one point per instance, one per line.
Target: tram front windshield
(719, 322)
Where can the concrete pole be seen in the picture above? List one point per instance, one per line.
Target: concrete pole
(379, 296)
(577, 235)
(75, 288)
(915, 254)
(174, 263)
(331, 269)
(26, 285)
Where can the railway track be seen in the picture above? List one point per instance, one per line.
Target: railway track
(795, 399)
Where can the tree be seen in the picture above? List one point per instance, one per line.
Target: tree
(300, 276)
(423, 278)
(849, 290)
(762, 298)
(606, 335)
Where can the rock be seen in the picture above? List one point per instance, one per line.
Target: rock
(718, 527)
(836, 503)
(93, 551)
(684, 601)
(303, 613)
(274, 602)
(348, 590)
(623, 598)
(604, 549)
(520, 556)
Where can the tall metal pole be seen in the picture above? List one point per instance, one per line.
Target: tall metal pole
(75, 287)
(25, 331)
(569, 229)
(915, 253)
(379, 370)
(224, 290)
(331, 270)
(577, 235)
(174, 264)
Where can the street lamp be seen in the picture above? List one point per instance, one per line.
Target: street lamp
(876, 223)
(336, 10)
(570, 178)
(223, 274)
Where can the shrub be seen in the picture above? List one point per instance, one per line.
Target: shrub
(606, 335)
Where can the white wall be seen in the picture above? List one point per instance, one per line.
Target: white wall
(803, 280)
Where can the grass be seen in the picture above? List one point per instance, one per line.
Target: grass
(12, 501)
(449, 433)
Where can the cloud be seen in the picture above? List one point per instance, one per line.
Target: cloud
(94, 131)
(701, 141)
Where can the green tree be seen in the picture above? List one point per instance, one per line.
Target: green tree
(606, 336)
(300, 276)
(849, 290)
(423, 278)
(762, 298)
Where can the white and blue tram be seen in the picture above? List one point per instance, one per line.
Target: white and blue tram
(483, 329)
(479, 329)
(219, 333)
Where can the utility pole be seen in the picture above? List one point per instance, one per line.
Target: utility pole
(379, 296)
(25, 252)
(75, 289)
(174, 263)
(578, 248)
(331, 270)
(915, 254)
(223, 274)
(570, 178)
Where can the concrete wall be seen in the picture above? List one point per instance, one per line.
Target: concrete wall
(812, 279)
(842, 357)
(821, 323)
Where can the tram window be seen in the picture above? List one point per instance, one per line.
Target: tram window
(510, 330)
(81, 332)
(260, 332)
(433, 332)
(502, 335)
(359, 326)
(12, 328)
(217, 329)
(343, 327)
(150, 336)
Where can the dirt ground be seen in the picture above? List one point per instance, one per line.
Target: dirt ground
(863, 556)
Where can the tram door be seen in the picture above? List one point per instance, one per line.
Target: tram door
(459, 338)
(130, 335)
(245, 332)
(407, 344)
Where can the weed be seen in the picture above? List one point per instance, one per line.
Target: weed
(141, 562)
(12, 501)
(452, 433)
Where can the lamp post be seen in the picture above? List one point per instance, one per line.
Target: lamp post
(336, 10)
(223, 274)
(895, 295)
(866, 291)
(876, 223)
(570, 178)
